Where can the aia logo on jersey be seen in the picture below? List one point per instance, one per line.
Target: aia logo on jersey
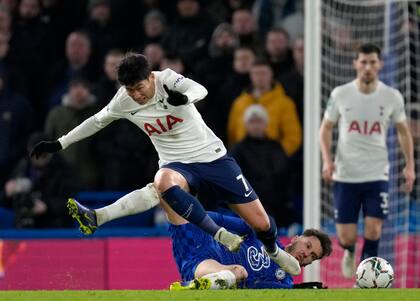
(365, 128)
(257, 259)
(162, 126)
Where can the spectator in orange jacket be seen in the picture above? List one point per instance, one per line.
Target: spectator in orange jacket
(283, 126)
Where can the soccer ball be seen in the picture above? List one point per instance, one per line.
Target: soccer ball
(374, 272)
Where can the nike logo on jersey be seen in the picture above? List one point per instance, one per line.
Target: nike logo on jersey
(248, 194)
(134, 113)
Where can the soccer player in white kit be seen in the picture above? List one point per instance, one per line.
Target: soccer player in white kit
(363, 109)
(162, 105)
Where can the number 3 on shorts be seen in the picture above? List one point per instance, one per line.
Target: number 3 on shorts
(384, 202)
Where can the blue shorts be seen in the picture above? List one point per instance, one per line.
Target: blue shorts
(222, 179)
(190, 247)
(349, 197)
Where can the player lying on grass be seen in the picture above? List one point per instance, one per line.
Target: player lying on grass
(203, 262)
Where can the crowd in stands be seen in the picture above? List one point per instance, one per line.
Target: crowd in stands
(58, 63)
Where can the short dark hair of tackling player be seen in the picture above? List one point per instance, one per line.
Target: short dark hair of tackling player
(324, 239)
(133, 68)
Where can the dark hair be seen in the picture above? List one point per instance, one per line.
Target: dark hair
(324, 239)
(133, 68)
(368, 48)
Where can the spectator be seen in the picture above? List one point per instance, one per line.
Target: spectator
(154, 26)
(238, 81)
(76, 64)
(29, 47)
(278, 52)
(10, 67)
(190, 33)
(99, 28)
(154, 53)
(77, 105)
(61, 17)
(108, 85)
(244, 26)
(16, 125)
(214, 70)
(173, 61)
(38, 190)
(294, 23)
(5, 20)
(264, 164)
(292, 81)
(283, 124)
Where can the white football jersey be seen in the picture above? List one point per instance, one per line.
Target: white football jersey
(363, 121)
(178, 133)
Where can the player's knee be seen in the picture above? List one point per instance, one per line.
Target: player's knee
(239, 272)
(262, 225)
(163, 180)
(347, 241)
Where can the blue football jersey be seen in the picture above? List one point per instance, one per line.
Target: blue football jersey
(191, 246)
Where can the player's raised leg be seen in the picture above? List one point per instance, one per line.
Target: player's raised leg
(174, 188)
(264, 225)
(134, 202)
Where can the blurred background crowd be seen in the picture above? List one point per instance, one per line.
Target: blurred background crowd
(58, 63)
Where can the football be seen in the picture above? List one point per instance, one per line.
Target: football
(374, 272)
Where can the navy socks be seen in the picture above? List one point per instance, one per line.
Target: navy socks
(189, 208)
(370, 248)
(269, 237)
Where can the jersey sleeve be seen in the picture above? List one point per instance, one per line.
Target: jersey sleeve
(331, 112)
(93, 124)
(231, 223)
(398, 112)
(175, 81)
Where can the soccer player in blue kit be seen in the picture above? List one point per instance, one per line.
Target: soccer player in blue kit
(161, 103)
(205, 264)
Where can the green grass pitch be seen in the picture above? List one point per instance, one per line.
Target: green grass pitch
(248, 295)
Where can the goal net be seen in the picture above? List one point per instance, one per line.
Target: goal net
(394, 26)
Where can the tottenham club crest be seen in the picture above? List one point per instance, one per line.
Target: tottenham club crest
(257, 259)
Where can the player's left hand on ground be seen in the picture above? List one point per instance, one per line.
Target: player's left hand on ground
(409, 176)
(175, 98)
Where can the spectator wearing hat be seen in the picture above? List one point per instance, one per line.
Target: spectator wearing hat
(77, 105)
(38, 189)
(264, 163)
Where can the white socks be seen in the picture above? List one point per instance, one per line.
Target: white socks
(221, 280)
(135, 202)
(286, 261)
